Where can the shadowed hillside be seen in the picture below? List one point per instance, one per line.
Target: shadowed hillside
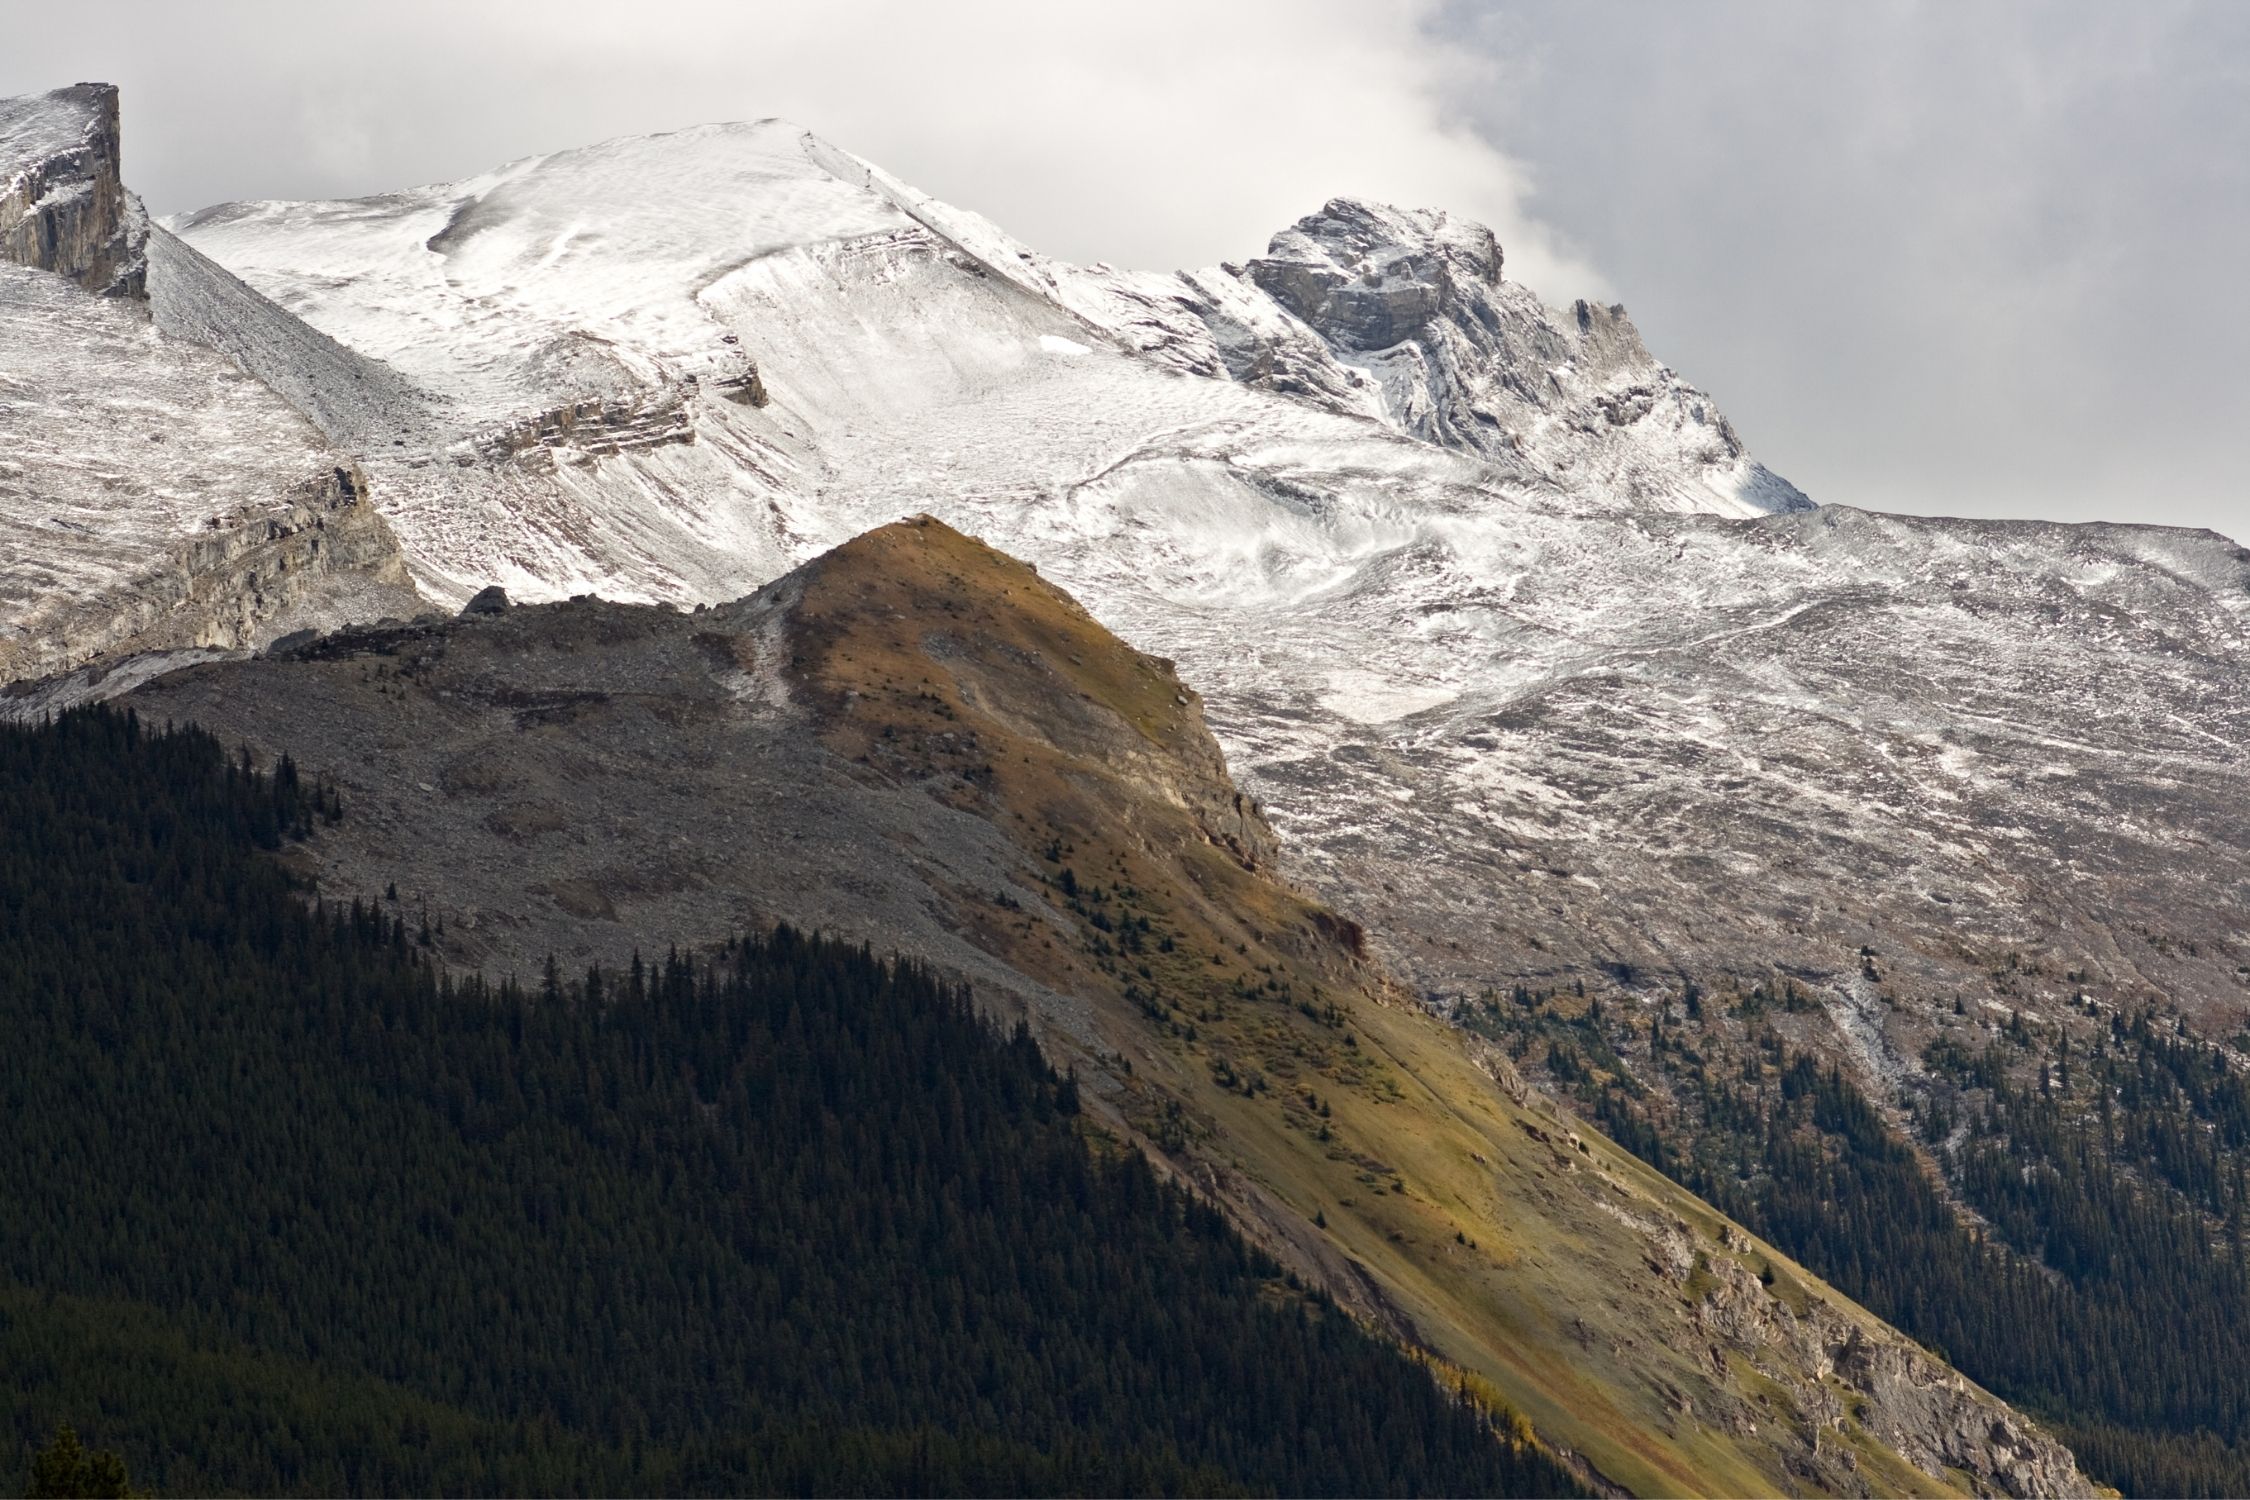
(917, 741)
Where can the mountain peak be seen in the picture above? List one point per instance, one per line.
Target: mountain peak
(1410, 307)
(1032, 660)
(1369, 276)
(917, 741)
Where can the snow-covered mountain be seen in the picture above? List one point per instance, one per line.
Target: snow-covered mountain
(1537, 671)
(590, 342)
(151, 494)
(1536, 667)
(1533, 662)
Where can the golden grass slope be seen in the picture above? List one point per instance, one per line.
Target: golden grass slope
(1244, 1039)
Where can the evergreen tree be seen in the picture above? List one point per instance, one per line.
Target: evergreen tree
(66, 1470)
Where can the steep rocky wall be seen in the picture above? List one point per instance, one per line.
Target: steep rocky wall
(589, 429)
(159, 484)
(1416, 302)
(320, 559)
(153, 495)
(1825, 1361)
(63, 204)
(1408, 317)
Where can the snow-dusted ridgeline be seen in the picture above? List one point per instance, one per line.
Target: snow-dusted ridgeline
(1535, 665)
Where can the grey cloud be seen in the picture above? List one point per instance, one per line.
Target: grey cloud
(1950, 259)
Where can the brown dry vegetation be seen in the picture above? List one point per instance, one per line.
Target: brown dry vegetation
(1247, 1043)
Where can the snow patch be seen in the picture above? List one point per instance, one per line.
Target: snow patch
(1367, 698)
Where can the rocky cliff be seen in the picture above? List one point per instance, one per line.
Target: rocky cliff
(63, 203)
(153, 495)
(1407, 317)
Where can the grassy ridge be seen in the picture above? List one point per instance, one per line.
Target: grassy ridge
(1246, 1038)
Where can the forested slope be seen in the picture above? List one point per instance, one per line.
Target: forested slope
(283, 1209)
(920, 742)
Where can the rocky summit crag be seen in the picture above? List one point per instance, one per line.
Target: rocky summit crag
(1407, 317)
(63, 203)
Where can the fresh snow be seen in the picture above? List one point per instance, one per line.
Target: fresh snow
(35, 128)
(1535, 665)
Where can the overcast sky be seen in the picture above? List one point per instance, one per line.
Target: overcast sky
(1961, 259)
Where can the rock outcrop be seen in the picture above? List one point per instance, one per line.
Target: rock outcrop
(1939, 1422)
(1407, 317)
(1368, 279)
(1463, 357)
(321, 553)
(1844, 1378)
(152, 496)
(63, 203)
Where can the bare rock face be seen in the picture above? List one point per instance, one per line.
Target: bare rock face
(1369, 278)
(63, 204)
(154, 497)
(1844, 1378)
(1415, 301)
(1407, 317)
(1932, 1416)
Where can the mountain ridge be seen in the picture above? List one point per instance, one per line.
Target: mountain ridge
(153, 497)
(917, 741)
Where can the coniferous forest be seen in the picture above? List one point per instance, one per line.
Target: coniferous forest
(283, 1208)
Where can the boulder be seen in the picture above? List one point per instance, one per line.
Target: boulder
(292, 643)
